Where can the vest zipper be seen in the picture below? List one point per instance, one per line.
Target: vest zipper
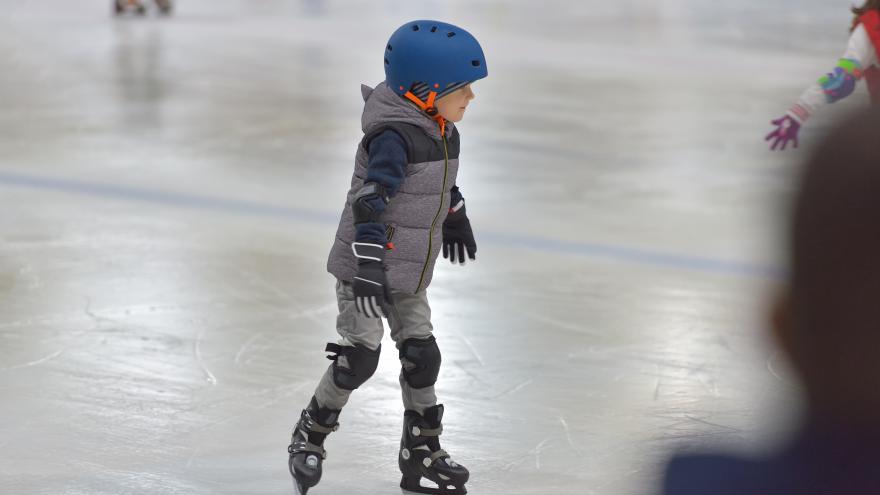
(437, 216)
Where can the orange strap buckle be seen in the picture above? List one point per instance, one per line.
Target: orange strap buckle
(429, 108)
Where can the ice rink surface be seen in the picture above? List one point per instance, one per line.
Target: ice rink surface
(170, 188)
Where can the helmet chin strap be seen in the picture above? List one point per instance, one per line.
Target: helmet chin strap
(429, 108)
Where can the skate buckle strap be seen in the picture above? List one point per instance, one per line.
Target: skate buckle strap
(434, 457)
(309, 424)
(306, 448)
(315, 427)
(427, 432)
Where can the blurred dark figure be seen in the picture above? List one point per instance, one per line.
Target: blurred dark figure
(138, 7)
(828, 324)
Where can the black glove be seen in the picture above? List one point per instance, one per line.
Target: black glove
(457, 233)
(371, 295)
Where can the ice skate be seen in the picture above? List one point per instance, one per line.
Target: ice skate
(421, 456)
(306, 449)
(165, 6)
(123, 6)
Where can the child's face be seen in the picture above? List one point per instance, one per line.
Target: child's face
(452, 106)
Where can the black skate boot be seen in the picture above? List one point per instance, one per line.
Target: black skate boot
(122, 6)
(306, 448)
(421, 456)
(165, 6)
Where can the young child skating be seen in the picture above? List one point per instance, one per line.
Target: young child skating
(861, 60)
(403, 206)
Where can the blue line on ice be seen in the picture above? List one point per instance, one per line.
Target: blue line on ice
(165, 198)
(619, 253)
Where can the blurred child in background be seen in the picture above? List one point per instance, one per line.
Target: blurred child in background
(859, 61)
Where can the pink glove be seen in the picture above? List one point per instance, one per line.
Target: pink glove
(786, 131)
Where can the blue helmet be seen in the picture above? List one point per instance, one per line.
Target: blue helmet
(434, 56)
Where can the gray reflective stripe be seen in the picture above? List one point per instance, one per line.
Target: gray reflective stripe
(354, 249)
(368, 281)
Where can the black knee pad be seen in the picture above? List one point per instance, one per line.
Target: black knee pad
(358, 366)
(420, 359)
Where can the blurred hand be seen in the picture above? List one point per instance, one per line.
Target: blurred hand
(786, 131)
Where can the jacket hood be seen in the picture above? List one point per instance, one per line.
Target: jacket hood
(382, 105)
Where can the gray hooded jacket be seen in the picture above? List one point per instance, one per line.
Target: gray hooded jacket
(414, 217)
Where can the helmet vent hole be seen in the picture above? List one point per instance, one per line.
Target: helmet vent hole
(450, 35)
(390, 49)
(434, 29)
(415, 27)
(387, 62)
(475, 63)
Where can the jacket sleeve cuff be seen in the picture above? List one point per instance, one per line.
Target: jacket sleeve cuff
(799, 113)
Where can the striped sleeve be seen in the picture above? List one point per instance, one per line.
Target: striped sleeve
(860, 54)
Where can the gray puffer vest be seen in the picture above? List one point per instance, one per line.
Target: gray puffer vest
(414, 217)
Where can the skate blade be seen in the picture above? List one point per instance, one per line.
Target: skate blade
(299, 490)
(408, 488)
(434, 491)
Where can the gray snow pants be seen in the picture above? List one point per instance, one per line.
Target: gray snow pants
(410, 318)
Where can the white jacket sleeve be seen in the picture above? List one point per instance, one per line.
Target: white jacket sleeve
(860, 55)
